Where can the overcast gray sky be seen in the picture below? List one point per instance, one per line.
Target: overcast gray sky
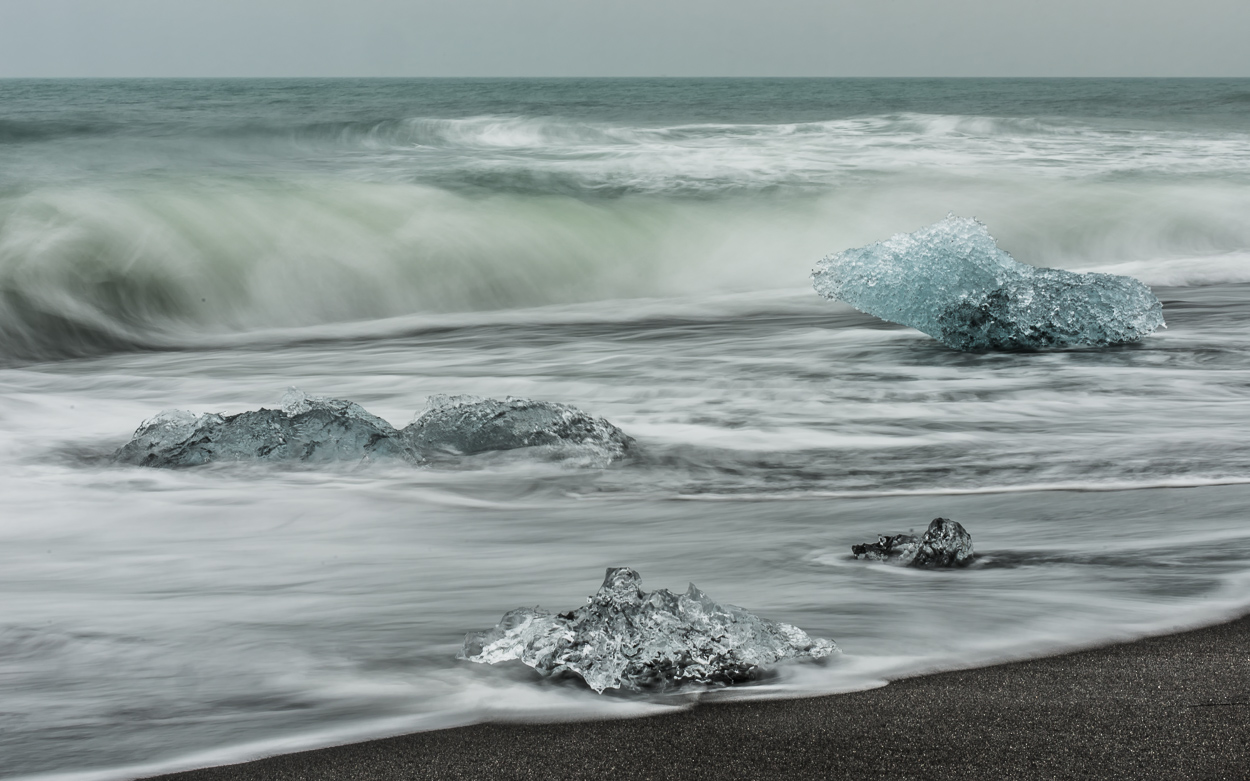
(624, 38)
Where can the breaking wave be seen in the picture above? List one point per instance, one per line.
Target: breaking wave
(91, 269)
(125, 232)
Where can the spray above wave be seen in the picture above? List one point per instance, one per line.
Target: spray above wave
(594, 159)
(553, 154)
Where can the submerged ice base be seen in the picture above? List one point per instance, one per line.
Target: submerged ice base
(951, 281)
(627, 638)
(945, 543)
(313, 429)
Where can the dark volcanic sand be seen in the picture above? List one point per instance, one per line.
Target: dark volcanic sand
(1174, 707)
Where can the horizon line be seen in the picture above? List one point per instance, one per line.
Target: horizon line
(617, 78)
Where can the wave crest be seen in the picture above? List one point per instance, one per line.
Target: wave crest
(151, 264)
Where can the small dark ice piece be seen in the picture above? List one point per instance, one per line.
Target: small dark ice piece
(944, 544)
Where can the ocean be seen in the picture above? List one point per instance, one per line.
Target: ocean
(637, 248)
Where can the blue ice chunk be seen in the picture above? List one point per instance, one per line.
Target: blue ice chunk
(951, 281)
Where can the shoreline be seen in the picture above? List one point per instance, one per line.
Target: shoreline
(1174, 706)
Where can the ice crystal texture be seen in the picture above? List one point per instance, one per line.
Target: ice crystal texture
(627, 638)
(164, 430)
(466, 425)
(316, 429)
(951, 281)
(944, 544)
(296, 402)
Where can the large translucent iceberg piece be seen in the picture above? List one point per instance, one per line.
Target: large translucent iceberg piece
(951, 281)
(944, 544)
(465, 425)
(626, 638)
(316, 429)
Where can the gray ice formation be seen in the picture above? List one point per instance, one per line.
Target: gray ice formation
(944, 544)
(627, 638)
(465, 425)
(305, 429)
(315, 429)
(951, 281)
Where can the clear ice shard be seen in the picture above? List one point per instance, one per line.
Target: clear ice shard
(627, 638)
(951, 281)
(945, 543)
(465, 425)
(316, 429)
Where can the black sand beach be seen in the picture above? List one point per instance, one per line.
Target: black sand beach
(1175, 707)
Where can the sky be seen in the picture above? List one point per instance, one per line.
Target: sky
(108, 38)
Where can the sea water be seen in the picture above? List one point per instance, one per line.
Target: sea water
(639, 249)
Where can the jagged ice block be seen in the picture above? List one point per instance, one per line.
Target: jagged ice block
(951, 281)
(627, 638)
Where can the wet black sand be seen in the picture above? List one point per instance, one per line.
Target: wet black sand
(1174, 707)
